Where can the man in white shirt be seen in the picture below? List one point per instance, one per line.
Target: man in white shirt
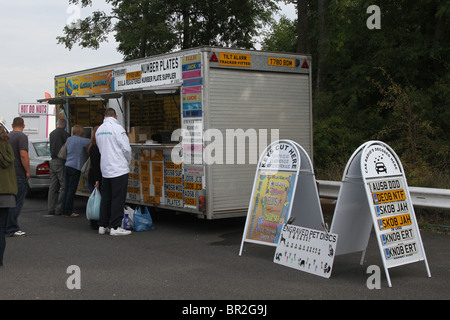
(115, 151)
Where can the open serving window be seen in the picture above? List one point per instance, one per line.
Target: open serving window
(157, 111)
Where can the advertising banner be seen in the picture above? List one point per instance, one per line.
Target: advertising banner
(89, 84)
(391, 208)
(157, 72)
(306, 250)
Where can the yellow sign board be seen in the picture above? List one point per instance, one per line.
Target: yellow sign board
(133, 75)
(174, 195)
(235, 59)
(395, 221)
(174, 180)
(193, 186)
(190, 201)
(389, 196)
(279, 62)
(98, 82)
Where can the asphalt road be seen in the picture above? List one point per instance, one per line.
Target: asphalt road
(185, 258)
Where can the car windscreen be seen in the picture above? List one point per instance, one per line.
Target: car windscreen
(42, 148)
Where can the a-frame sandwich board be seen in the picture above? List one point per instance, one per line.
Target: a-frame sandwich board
(374, 192)
(284, 187)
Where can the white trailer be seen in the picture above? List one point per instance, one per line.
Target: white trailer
(39, 119)
(197, 119)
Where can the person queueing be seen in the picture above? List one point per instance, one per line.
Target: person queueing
(57, 139)
(76, 157)
(95, 173)
(8, 187)
(115, 150)
(19, 144)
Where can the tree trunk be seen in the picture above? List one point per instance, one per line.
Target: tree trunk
(322, 65)
(302, 26)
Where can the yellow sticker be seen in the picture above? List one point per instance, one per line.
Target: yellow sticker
(235, 59)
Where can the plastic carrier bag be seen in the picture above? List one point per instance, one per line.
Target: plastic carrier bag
(93, 205)
(127, 221)
(85, 169)
(142, 220)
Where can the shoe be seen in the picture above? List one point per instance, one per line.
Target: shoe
(102, 230)
(19, 233)
(73, 215)
(119, 232)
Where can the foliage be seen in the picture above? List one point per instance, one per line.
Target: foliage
(148, 27)
(390, 84)
(409, 130)
(281, 37)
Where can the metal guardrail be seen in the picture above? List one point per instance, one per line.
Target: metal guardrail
(420, 197)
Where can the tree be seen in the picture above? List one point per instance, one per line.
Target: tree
(282, 37)
(322, 45)
(146, 27)
(406, 105)
(302, 28)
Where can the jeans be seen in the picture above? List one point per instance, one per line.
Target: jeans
(114, 193)
(56, 188)
(12, 224)
(71, 179)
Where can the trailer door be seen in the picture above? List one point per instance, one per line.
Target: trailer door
(240, 99)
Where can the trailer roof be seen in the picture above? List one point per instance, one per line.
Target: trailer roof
(177, 53)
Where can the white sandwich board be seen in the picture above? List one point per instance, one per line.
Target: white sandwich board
(284, 187)
(374, 192)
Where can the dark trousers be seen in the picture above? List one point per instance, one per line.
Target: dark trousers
(3, 218)
(114, 193)
(12, 224)
(71, 179)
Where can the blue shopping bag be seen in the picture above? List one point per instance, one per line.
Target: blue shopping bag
(142, 220)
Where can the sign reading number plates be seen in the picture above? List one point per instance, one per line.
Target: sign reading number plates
(306, 250)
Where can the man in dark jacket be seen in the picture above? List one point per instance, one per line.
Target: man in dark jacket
(56, 189)
(19, 144)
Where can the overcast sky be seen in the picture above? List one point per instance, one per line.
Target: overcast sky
(30, 57)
